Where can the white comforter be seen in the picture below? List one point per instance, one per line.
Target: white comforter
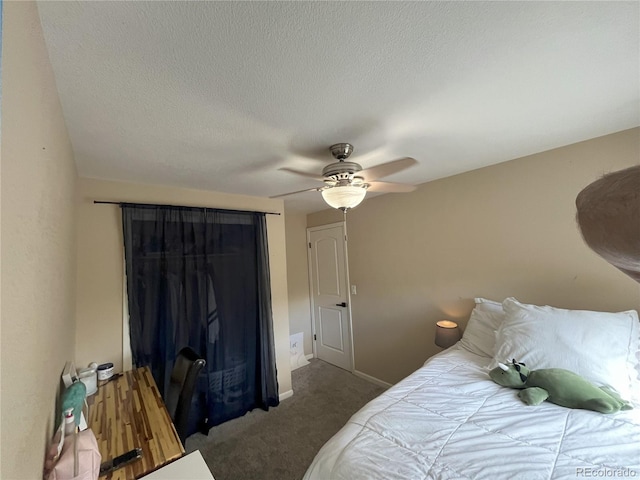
(448, 420)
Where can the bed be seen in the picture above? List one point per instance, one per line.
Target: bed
(448, 420)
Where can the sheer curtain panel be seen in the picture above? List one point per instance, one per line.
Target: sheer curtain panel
(200, 278)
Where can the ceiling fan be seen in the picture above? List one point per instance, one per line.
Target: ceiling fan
(346, 183)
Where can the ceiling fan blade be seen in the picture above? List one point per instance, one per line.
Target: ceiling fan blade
(303, 174)
(317, 189)
(384, 169)
(390, 187)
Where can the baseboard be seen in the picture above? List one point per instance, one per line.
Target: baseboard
(309, 357)
(285, 395)
(375, 380)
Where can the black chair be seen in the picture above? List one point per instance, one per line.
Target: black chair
(184, 377)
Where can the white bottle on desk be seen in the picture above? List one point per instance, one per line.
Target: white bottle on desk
(69, 422)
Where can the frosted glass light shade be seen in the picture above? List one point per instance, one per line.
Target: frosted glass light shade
(447, 333)
(344, 197)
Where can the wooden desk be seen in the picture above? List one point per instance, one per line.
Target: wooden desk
(128, 413)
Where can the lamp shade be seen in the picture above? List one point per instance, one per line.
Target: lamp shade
(447, 333)
(344, 197)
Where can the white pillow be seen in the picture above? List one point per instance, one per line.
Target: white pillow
(480, 334)
(599, 346)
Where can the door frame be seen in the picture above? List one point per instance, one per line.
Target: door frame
(342, 224)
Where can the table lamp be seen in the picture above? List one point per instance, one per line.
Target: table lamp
(447, 333)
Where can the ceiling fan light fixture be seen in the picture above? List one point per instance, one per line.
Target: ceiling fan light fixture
(344, 197)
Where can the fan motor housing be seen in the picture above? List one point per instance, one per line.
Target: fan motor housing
(341, 170)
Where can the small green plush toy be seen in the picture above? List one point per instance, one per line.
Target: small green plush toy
(558, 386)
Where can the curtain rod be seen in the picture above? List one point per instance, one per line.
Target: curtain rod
(103, 202)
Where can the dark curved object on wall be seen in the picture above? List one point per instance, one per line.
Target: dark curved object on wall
(609, 219)
(182, 384)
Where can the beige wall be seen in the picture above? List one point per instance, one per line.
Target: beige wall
(298, 278)
(38, 244)
(100, 264)
(504, 230)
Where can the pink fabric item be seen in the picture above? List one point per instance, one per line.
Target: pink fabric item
(89, 459)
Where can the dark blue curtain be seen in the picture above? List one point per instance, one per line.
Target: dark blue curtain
(200, 278)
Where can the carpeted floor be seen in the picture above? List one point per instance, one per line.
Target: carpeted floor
(281, 443)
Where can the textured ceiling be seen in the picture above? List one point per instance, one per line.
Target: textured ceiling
(220, 95)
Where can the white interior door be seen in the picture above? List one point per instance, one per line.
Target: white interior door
(329, 294)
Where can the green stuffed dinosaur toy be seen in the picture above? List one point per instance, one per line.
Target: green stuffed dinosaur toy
(558, 386)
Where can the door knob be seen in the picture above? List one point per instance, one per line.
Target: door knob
(343, 304)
